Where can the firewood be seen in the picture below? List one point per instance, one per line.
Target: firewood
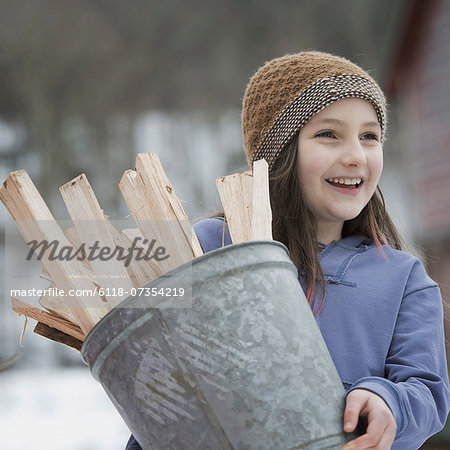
(56, 305)
(246, 203)
(158, 213)
(72, 235)
(57, 336)
(154, 180)
(63, 325)
(138, 204)
(166, 207)
(74, 238)
(140, 271)
(133, 233)
(164, 235)
(261, 224)
(236, 195)
(36, 223)
(94, 228)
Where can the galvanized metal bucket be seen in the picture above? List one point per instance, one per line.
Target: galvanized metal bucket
(244, 368)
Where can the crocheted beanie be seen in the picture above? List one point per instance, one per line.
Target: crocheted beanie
(286, 92)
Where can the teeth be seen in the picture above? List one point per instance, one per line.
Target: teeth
(346, 181)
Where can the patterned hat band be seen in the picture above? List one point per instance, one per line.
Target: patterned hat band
(309, 102)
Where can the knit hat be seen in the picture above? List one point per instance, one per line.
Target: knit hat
(286, 92)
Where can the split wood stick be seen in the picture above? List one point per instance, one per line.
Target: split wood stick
(236, 195)
(157, 222)
(56, 305)
(141, 271)
(133, 233)
(138, 204)
(36, 223)
(143, 268)
(130, 235)
(261, 223)
(57, 336)
(65, 326)
(94, 229)
(166, 206)
(74, 238)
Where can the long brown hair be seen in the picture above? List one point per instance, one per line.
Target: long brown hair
(295, 226)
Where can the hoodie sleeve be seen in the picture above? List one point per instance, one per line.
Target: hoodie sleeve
(212, 233)
(416, 386)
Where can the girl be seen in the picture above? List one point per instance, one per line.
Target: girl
(320, 121)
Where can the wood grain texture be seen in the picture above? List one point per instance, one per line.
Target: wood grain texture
(57, 336)
(57, 305)
(94, 228)
(246, 202)
(236, 195)
(261, 222)
(158, 212)
(63, 325)
(142, 271)
(36, 223)
(167, 206)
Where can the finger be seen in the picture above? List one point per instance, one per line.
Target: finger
(388, 438)
(372, 438)
(353, 407)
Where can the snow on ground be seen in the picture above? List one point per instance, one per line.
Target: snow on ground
(55, 409)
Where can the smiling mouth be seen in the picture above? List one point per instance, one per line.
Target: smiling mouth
(346, 183)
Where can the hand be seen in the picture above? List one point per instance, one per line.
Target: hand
(381, 428)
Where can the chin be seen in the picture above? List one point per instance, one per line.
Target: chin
(346, 216)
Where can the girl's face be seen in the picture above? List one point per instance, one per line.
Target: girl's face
(340, 160)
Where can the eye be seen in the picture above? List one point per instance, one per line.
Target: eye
(370, 137)
(326, 134)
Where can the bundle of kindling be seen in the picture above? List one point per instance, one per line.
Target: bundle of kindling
(93, 256)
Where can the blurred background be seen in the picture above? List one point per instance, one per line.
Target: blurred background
(85, 85)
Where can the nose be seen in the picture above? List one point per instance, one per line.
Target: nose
(354, 154)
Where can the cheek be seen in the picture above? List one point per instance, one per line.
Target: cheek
(376, 167)
(311, 166)
(310, 172)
